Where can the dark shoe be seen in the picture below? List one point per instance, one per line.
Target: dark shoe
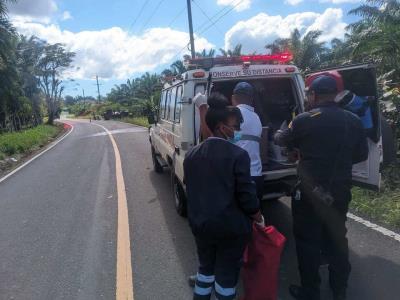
(298, 293)
(339, 295)
(192, 280)
(324, 261)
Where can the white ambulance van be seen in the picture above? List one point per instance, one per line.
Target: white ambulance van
(280, 96)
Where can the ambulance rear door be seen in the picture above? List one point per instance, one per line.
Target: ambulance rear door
(361, 80)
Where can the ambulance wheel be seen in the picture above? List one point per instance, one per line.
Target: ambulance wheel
(156, 165)
(180, 198)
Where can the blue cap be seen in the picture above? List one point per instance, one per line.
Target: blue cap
(324, 85)
(243, 88)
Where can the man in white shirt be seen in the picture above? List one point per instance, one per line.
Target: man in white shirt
(249, 137)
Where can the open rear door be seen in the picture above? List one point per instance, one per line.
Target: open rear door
(361, 80)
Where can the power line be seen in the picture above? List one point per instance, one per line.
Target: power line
(152, 15)
(212, 24)
(177, 16)
(205, 14)
(139, 14)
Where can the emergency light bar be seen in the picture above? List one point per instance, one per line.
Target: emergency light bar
(209, 62)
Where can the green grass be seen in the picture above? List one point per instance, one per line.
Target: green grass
(383, 207)
(140, 121)
(26, 140)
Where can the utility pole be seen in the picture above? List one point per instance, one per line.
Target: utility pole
(83, 94)
(98, 88)
(189, 8)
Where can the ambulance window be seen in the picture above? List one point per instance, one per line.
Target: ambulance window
(163, 103)
(178, 105)
(199, 88)
(171, 104)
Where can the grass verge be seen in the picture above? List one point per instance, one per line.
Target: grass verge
(383, 206)
(140, 121)
(27, 140)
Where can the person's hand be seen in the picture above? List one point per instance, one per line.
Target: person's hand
(200, 100)
(260, 222)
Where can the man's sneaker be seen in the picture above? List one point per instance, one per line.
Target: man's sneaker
(298, 293)
(192, 280)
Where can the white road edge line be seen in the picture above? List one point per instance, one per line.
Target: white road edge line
(375, 227)
(55, 143)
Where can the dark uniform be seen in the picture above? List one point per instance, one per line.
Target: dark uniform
(221, 198)
(330, 140)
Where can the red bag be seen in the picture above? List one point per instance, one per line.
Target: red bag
(262, 257)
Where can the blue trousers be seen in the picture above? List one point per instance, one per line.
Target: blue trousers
(219, 267)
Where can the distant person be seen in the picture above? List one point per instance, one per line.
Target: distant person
(222, 202)
(330, 140)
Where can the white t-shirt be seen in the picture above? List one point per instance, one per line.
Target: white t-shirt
(251, 126)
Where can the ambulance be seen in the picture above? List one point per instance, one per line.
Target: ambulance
(279, 97)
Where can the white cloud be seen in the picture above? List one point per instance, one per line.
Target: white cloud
(339, 1)
(66, 15)
(293, 2)
(113, 52)
(33, 8)
(262, 29)
(239, 5)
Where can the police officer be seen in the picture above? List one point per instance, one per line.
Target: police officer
(329, 140)
(222, 202)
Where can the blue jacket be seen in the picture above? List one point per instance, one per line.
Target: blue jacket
(221, 194)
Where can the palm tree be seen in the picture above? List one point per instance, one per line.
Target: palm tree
(237, 51)
(376, 36)
(178, 67)
(308, 52)
(204, 53)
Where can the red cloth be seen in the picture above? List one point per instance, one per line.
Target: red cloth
(334, 74)
(262, 257)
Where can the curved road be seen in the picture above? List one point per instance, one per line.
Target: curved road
(58, 228)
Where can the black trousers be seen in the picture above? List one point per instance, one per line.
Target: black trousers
(318, 227)
(219, 264)
(259, 181)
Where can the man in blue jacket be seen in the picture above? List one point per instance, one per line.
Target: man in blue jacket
(222, 202)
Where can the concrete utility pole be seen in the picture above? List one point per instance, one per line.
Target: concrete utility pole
(189, 8)
(98, 88)
(83, 94)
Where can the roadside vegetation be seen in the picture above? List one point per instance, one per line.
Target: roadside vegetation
(31, 88)
(14, 145)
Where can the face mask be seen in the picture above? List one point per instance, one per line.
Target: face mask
(237, 136)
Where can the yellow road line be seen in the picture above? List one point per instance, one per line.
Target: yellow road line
(124, 283)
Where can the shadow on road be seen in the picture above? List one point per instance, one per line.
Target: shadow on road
(177, 225)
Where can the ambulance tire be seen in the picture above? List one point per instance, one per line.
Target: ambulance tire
(156, 165)
(180, 198)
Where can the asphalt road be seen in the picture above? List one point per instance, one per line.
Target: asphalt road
(58, 228)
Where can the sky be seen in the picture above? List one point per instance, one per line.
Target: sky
(122, 39)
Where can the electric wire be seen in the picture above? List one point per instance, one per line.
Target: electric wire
(177, 16)
(139, 14)
(212, 24)
(152, 15)
(206, 15)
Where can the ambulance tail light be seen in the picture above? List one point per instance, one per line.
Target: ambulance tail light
(199, 74)
(290, 69)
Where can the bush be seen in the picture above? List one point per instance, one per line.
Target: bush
(27, 140)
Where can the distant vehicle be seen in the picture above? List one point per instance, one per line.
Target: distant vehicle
(280, 95)
(107, 115)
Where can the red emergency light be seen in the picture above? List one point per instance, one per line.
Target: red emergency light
(209, 62)
(279, 57)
